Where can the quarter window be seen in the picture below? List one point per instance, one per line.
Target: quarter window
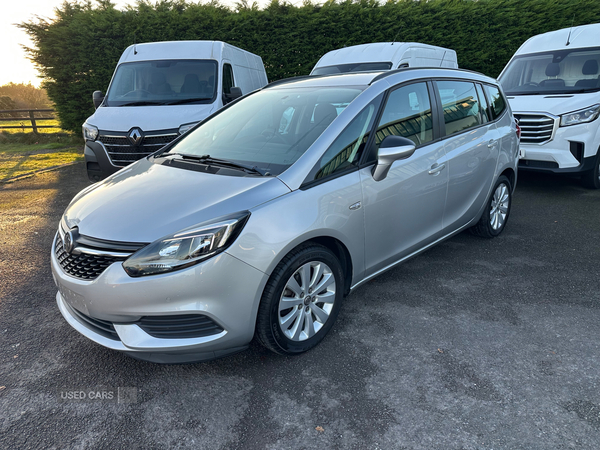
(460, 105)
(228, 81)
(347, 149)
(485, 112)
(407, 113)
(496, 99)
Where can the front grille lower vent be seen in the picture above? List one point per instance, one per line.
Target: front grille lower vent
(102, 327)
(82, 266)
(179, 327)
(535, 128)
(122, 152)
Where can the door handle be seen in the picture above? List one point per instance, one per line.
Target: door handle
(492, 144)
(436, 169)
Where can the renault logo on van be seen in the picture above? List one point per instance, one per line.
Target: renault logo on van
(135, 136)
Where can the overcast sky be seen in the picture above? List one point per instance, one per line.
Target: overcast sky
(15, 67)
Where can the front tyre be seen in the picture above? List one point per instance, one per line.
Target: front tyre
(497, 210)
(591, 179)
(301, 300)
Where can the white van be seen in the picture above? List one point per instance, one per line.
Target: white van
(384, 56)
(159, 91)
(553, 86)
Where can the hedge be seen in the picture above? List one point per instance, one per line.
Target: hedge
(76, 51)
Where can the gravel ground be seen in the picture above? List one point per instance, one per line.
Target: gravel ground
(476, 344)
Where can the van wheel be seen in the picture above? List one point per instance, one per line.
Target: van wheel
(301, 300)
(591, 179)
(497, 210)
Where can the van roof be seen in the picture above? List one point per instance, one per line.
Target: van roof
(180, 50)
(379, 51)
(582, 36)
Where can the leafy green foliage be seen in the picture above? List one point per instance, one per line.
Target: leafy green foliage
(77, 51)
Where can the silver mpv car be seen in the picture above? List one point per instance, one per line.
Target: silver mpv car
(261, 219)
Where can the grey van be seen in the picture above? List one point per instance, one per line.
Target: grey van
(262, 218)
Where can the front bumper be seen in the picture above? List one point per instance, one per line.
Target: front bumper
(571, 150)
(222, 288)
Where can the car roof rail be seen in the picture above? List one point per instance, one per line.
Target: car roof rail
(405, 69)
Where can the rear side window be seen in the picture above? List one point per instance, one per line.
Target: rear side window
(496, 99)
(407, 113)
(460, 105)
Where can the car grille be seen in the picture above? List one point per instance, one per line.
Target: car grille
(123, 153)
(179, 327)
(82, 266)
(102, 327)
(535, 128)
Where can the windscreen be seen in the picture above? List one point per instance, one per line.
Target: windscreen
(354, 67)
(163, 82)
(557, 72)
(270, 129)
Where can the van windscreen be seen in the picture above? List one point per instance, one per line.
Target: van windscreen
(163, 82)
(556, 72)
(354, 67)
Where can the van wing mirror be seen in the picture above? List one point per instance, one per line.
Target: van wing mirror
(391, 149)
(234, 92)
(98, 98)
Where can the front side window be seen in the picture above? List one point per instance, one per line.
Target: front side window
(460, 105)
(496, 99)
(163, 82)
(349, 146)
(407, 113)
(269, 129)
(556, 72)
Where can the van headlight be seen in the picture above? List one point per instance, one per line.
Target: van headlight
(187, 247)
(90, 132)
(581, 116)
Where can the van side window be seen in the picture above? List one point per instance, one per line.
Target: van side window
(407, 113)
(496, 99)
(485, 111)
(228, 81)
(460, 105)
(347, 149)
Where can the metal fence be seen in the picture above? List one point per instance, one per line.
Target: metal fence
(26, 116)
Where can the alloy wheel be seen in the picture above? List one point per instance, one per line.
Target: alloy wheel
(307, 301)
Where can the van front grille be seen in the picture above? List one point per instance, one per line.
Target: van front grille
(536, 128)
(122, 152)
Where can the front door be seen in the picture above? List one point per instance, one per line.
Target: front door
(404, 211)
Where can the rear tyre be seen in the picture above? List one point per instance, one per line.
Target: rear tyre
(301, 300)
(591, 179)
(497, 210)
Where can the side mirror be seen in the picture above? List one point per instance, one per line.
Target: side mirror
(392, 149)
(234, 92)
(98, 98)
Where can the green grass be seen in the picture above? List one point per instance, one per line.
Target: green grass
(18, 159)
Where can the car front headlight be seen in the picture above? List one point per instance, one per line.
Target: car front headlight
(90, 132)
(187, 127)
(581, 116)
(187, 247)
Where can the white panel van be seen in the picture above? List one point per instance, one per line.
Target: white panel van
(159, 91)
(553, 86)
(384, 56)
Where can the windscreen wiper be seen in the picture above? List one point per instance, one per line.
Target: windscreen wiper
(208, 160)
(188, 100)
(143, 103)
